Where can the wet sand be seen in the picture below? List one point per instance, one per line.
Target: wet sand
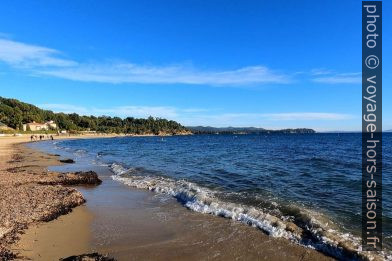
(131, 224)
(67, 235)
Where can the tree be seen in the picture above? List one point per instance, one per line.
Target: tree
(14, 113)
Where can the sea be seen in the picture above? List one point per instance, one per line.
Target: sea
(303, 187)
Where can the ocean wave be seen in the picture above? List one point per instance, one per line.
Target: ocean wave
(298, 225)
(79, 152)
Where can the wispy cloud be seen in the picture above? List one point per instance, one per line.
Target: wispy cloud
(46, 61)
(31, 56)
(343, 78)
(307, 116)
(320, 71)
(133, 73)
(263, 118)
(66, 108)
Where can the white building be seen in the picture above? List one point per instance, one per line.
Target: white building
(34, 126)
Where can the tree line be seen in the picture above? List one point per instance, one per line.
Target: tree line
(15, 113)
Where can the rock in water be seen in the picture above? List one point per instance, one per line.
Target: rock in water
(82, 178)
(88, 257)
(67, 161)
(74, 178)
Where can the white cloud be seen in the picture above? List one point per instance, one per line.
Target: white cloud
(133, 73)
(320, 71)
(306, 116)
(46, 61)
(66, 108)
(343, 78)
(31, 56)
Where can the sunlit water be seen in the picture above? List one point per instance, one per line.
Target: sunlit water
(277, 174)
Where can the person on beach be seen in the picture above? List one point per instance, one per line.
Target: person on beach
(32, 137)
(51, 137)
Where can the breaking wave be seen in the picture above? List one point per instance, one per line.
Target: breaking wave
(298, 225)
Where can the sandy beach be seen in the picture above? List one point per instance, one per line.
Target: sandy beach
(41, 243)
(41, 219)
(30, 194)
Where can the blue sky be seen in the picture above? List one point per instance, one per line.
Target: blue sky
(272, 64)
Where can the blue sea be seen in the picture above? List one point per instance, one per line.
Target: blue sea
(267, 181)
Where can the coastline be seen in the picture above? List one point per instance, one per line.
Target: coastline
(127, 224)
(30, 193)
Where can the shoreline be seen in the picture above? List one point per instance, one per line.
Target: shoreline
(132, 224)
(131, 227)
(31, 194)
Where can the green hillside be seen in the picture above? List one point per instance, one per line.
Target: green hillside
(15, 113)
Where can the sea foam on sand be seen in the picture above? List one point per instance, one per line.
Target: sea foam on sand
(304, 229)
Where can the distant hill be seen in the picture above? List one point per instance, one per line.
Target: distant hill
(340, 131)
(243, 130)
(14, 113)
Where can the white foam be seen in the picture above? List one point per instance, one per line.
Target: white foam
(204, 200)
